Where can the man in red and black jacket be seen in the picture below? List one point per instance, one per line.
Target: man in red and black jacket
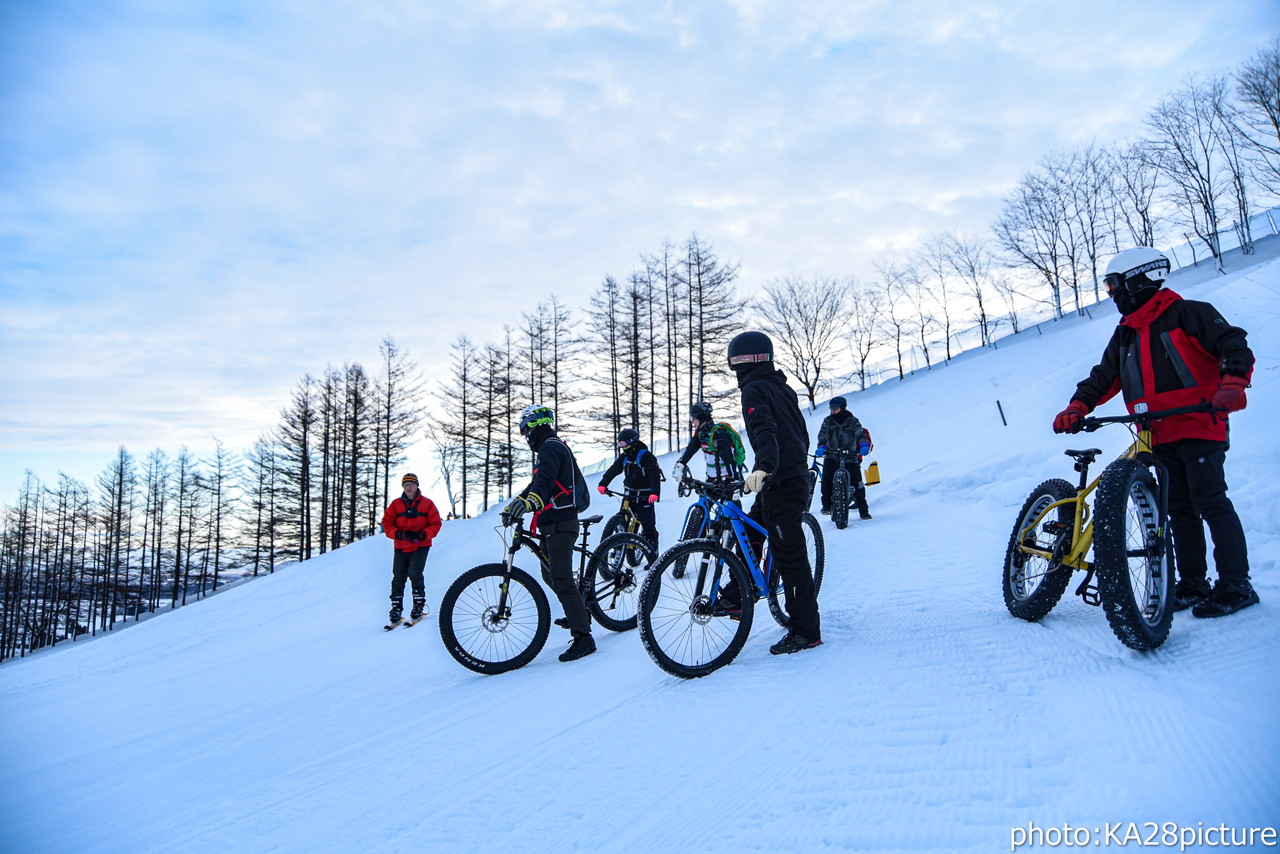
(412, 521)
(1169, 352)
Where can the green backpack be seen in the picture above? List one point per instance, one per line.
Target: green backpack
(739, 449)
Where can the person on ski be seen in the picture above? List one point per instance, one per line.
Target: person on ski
(641, 478)
(1169, 352)
(716, 445)
(550, 498)
(412, 522)
(779, 480)
(842, 431)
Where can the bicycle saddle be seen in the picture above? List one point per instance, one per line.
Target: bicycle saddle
(1088, 455)
(588, 521)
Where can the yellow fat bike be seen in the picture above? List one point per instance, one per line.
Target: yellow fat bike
(1132, 572)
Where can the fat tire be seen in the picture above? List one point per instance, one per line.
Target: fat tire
(666, 629)
(840, 498)
(816, 548)
(614, 602)
(617, 522)
(466, 607)
(1050, 581)
(1134, 582)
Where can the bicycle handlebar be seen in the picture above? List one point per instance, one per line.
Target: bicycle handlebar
(1089, 424)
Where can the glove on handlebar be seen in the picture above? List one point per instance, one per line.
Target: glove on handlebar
(754, 481)
(1068, 420)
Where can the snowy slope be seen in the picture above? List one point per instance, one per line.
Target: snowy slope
(279, 717)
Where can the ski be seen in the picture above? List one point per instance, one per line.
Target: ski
(410, 623)
(397, 624)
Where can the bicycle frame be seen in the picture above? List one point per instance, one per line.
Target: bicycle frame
(1081, 539)
(633, 521)
(522, 539)
(720, 510)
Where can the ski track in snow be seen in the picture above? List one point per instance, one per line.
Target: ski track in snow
(278, 716)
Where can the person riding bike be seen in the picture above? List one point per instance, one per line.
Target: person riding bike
(1169, 352)
(842, 431)
(641, 476)
(550, 497)
(717, 447)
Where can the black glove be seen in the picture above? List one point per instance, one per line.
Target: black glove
(515, 511)
(415, 536)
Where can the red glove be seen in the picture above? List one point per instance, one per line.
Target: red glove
(653, 499)
(1230, 394)
(1067, 419)
(602, 489)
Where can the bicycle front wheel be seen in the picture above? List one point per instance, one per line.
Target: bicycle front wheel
(611, 585)
(1034, 584)
(490, 636)
(1131, 555)
(815, 549)
(840, 498)
(684, 625)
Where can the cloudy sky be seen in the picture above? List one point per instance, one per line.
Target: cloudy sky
(203, 200)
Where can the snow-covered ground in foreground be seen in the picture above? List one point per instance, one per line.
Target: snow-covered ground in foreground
(280, 717)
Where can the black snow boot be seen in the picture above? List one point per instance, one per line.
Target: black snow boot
(1226, 599)
(582, 646)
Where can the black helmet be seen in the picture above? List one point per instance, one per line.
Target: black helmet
(838, 401)
(627, 437)
(701, 411)
(750, 348)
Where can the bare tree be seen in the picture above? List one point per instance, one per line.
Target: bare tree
(803, 316)
(1185, 143)
(1135, 178)
(1029, 229)
(895, 317)
(969, 259)
(1258, 91)
(862, 326)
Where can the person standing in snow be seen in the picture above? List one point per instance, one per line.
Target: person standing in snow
(842, 431)
(412, 522)
(550, 498)
(1169, 352)
(641, 477)
(780, 480)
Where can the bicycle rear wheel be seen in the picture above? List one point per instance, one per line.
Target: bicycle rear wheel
(488, 639)
(1135, 577)
(1034, 584)
(815, 547)
(840, 497)
(682, 627)
(611, 585)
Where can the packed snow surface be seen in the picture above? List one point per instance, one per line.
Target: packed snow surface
(278, 716)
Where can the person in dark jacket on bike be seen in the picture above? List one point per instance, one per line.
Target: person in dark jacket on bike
(842, 431)
(1169, 352)
(641, 478)
(716, 445)
(550, 498)
(780, 481)
(412, 521)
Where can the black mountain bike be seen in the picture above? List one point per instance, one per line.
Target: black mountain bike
(495, 617)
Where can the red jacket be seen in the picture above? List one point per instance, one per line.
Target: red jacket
(418, 515)
(1170, 352)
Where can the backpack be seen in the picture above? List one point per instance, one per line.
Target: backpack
(636, 462)
(581, 494)
(739, 450)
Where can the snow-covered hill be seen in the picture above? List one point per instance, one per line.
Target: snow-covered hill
(280, 717)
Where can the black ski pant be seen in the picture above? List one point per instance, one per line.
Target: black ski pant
(557, 543)
(857, 490)
(648, 517)
(1197, 486)
(409, 565)
(778, 509)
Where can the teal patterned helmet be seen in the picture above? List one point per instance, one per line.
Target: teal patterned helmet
(535, 415)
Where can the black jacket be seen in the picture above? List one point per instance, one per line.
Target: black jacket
(775, 426)
(639, 468)
(841, 432)
(552, 474)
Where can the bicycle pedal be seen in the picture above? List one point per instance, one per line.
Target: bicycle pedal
(1056, 528)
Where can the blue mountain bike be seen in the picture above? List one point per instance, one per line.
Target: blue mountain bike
(685, 624)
